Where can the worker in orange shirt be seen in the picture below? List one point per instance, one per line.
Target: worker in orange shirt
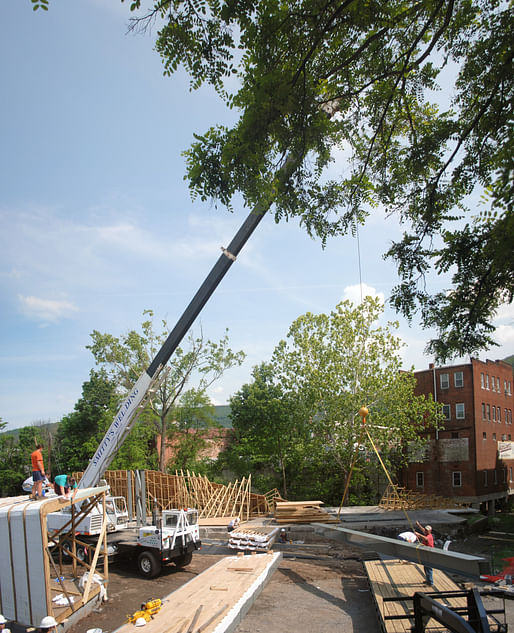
(38, 472)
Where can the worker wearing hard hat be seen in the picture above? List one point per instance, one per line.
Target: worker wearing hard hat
(3, 622)
(48, 625)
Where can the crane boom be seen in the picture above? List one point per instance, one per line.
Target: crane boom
(126, 415)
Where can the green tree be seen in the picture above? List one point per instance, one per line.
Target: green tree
(336, 363)
(126, 357)
(12, 473)
(313, 78)
(79, 432)
(269, 428)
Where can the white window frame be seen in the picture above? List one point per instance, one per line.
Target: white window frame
(484, 435)
(447, 409)
(457, 416)
(482, 380)
(498, 383)
(420, 479)
(487, 382)
(458, 377)
(457, 479)
(488, 407)
(446, 384)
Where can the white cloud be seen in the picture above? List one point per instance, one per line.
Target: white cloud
(354, 293)
(46, 309)
(504, 336)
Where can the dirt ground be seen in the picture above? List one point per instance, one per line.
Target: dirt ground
(316, 589)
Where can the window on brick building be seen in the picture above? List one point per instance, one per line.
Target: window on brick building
(509, 411)
(459, 411)
(510, 473)
(488, 412)
(483, 410)
(508, 388)
(498, 384)
(485, 477)
(504, 437)
(458, 379)
(482, 380)
(499, 414)
(493, 384)
(484, 435)
(455, 435)
(444, 381)
(457, 478)
(506, 416)
(494, 436)
(420, 479)
(504, 475)
(495, 477)
(487, 381)
(447, 412)
(494, 413)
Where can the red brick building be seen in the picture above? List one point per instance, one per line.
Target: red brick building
(472, 458)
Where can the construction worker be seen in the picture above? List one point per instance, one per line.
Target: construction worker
(3, 622)
(427, 538)
(38, 472)
(48, 625)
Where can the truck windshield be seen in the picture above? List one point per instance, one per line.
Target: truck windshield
(171, 520)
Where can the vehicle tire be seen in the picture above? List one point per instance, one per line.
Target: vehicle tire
(184, 560)
(81, 553)
(148, 564)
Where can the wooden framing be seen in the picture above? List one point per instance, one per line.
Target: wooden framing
(399, 498)
(32, 567)
(187, 489)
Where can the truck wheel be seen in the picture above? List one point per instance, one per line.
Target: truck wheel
(184, 560)
(148, 564)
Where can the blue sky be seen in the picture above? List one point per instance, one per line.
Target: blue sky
(97, 223)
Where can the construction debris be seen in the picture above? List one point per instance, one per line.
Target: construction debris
(302, 512)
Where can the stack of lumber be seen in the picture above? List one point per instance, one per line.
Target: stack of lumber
(254, 540)
(302, 512)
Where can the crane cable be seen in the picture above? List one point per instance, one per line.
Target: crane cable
(363, 412)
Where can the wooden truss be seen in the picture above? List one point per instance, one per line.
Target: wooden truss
(187, 489)
(399, 498)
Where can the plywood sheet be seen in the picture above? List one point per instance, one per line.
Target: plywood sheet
(216, 600)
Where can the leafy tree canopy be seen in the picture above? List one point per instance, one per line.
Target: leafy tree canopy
(314, 77)
(185, 380)
(270, 427)
(334, 364)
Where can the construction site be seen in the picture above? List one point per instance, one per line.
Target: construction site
(338, 569)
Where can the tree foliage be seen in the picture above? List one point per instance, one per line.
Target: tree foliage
(202, 363)
(270, 429)
(311, 78)
(80, 432)
(334, 364)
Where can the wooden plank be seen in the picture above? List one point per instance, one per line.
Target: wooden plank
(396, 578)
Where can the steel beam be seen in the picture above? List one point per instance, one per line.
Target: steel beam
(453, 562)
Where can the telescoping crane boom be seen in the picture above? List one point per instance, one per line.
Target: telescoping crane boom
(126, 415)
